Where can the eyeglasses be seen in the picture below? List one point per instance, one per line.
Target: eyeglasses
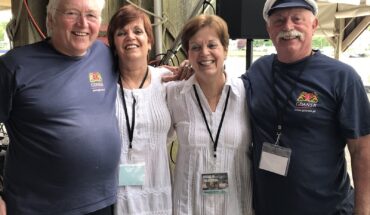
(74, 15)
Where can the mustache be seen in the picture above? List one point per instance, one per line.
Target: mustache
(290, 35)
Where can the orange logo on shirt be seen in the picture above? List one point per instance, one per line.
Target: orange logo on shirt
(96, 82)
(95, 77)
(307, 97)
(307, 102)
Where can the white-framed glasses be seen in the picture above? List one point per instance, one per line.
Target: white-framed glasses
(74, 15)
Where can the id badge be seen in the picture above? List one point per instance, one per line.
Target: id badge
(132, 174)
(214, 183)
(275, 158)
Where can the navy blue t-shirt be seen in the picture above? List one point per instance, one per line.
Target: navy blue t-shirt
(59, 112)
(322, 103)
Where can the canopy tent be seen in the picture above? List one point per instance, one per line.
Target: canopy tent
(342, 21)
(5, 4)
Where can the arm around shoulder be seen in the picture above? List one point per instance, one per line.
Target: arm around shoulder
(360, 159)
(2, 207)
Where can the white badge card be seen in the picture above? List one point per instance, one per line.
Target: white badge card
(132, 174)
(213, 183)
(275, 158)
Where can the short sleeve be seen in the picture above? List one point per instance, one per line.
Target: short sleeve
(6, 95)
(354, 111)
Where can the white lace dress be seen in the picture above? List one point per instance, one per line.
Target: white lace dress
(149, 145)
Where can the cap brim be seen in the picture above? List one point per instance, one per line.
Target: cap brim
(289, 5)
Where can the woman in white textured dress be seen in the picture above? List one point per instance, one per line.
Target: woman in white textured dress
(143, 117)
(212, 173)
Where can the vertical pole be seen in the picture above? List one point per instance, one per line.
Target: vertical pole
(158, 26)
(249, 53)
(339, 26)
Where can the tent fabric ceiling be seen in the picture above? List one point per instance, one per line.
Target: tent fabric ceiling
(330, 13)
(343, 21)
(5, 4)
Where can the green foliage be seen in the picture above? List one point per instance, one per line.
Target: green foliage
(317, 43)
(2, 30)
(258, 43)
(320, 42)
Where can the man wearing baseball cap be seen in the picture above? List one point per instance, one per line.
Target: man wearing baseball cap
(305, 109)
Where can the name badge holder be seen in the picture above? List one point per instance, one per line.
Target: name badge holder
(215, 183)
(275, 158)
(132, 174)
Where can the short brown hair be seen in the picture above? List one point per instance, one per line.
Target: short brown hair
(198, 22)
(125, 15)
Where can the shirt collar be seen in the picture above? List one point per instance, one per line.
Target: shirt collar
(229, 82)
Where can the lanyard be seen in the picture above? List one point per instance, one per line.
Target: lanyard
(215, 142)
(130, 129)
(281, 111)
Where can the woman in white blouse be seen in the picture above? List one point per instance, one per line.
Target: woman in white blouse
(209, 114)
(143, 117)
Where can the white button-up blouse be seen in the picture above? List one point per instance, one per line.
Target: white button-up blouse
(195, 152)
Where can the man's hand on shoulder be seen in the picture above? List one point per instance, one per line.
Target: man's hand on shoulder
(183, 72)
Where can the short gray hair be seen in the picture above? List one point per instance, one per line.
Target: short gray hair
(54, 4)
(50, 10)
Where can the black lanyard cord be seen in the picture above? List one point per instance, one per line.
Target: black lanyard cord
(281, 111)
(215, 142)
(130, 129)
